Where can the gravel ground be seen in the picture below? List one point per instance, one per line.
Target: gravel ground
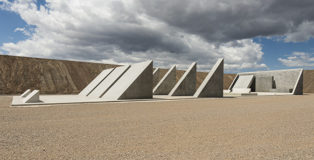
(266, 127)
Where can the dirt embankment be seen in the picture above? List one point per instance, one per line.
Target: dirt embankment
(69, 77)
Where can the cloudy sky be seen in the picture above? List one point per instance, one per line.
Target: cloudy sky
(249, 34)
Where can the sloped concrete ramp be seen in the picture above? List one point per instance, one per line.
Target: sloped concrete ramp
(166, 83)
(187, 83)
(244, 81)
(31, 97)
(212, 86)
(135, 83)
(92, 85)
(109, 81)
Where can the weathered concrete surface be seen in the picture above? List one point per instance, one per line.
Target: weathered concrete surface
(284, 80)
(156, 75)
(166, 83)
(244, 81)
(186, 86)
(264, 83)
(298, 88)
(136, 83)
(32, 97)
(108, 82)
(95, 82)
(26, 93)
(212, 86)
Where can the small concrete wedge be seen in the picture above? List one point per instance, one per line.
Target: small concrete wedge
(135, 83)
(94, 83)
(187, 83)
(212, 86)
(167, 82)
(26, 93)
(33, 97)
(108, 82)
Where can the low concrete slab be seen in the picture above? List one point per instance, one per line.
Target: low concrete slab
(92, 85)
(108, 82)
(156, 75)
(26, 93)
(33, 97)
(167, 82)
(187, 83)
(212, 86)
(136, 83)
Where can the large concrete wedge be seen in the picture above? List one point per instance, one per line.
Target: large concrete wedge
(108, 82)
(156, 74)
(187, 83)
(92, 85)
(212, 86)
(32, 97)
(135, 83)
(167, 82)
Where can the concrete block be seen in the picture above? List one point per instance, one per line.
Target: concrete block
(135, 83)
(33, 97)
(241, 90)
(156, 75)
(263, 83)
(212, 86)
(108, 82)
(244, 81)
(166, 83)
(187, 83)
(26, 93)
(92, 85)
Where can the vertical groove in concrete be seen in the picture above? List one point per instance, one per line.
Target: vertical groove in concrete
(187, 83)
(212, 86)
(166, 83)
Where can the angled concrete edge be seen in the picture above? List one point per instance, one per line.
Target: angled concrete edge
(156, 75)
(95, 82)
(212, 85)
(233, 82)
(33, 97)
(298, 88)
(166, 83)
(27, 92)
(187, 83)
(135, 83)
(244, 81)
(108, 82)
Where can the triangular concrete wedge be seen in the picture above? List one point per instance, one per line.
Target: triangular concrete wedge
(108, 82)
(27, 92)
(298, 88)
(92, 85)
(135, 83)
(156, 74)
(186, 84)
(166, 83)
(212, 86)
(244, 81)
(32, 97)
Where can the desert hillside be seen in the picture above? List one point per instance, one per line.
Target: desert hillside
(69, 77)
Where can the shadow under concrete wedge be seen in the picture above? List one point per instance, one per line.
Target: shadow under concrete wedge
(167, 82)
(187, 83)
(92, 85)
(135, 83)
(212, 86)
(108, 82)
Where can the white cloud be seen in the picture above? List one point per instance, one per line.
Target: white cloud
(120, 31)
(298, 59)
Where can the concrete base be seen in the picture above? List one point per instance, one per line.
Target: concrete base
(241, 90)
(32, 97)
(212, 86)
(166, 83)
(136, 83)
(187, 83)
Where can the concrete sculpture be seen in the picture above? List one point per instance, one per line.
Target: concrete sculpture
(212, 86)
(32, 97)
(109, 81)
(135, 83)
(91, 86)
(167, 82)
(187, 83)
(156, 75)
(26, 93)
(243, 84)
